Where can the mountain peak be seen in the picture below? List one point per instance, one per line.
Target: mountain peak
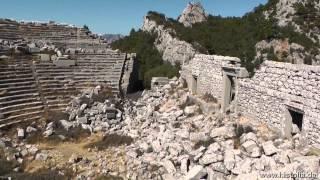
(193, 13)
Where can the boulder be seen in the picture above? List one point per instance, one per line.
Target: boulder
(196, 173)
(268, 148)
(225, 131)
(41, 157)
(210, 158)
(66, 124)
(48, 133)
(191, 110)
(31, 129)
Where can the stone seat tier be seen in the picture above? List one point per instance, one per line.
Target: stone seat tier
(17, 96)
(16, 84)
(19, 101)
(21, 116)
(24, 91)
(56, 89)
(15, 76)
(20, 106)
(27, 79)
(32, 119)
(18, 88)
(32, 108)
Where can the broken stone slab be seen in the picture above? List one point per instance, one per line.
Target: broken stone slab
(229, 159)
(169, 166)
(41, 157)
(184, 165)
(249, 146)
(196, 173)
(82, 120)
(225, 131)
(269, 148)
(31, 129)
(210, 158)
(249, 136)
(33, 150)
(198, 136)
(66, 124)
(214, 175)
(219, 167)
(20, 133)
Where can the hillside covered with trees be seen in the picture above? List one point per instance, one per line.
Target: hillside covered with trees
(149, 59)
(235, 36)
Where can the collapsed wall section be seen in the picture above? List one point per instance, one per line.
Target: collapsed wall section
(279, 93)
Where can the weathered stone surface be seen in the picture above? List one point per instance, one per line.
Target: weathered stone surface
(195, 173)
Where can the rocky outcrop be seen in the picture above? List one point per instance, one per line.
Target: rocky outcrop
(193, 13)
(284, 51)
(173, 50)
(285, 12)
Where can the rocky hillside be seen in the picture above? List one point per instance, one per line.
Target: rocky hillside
(280, 30)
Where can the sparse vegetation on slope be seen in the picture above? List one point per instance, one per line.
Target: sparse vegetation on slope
(150, 60)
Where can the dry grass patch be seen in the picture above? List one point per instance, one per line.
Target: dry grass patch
(110, 140)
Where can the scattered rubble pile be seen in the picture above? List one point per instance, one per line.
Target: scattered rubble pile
(175, 140)
(45, 142)
(166, 134)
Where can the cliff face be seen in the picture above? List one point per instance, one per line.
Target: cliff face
(303, 16)
(193, 13)
(173, 50)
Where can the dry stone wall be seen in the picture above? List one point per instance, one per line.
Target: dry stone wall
(207, 70)
(275, 95)
(279, 86)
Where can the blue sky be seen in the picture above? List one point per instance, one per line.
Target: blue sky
(113, 16)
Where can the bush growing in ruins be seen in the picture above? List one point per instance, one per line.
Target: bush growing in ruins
(150, 60)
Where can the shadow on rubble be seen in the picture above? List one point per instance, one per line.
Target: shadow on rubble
(110, 140)
(60, 134)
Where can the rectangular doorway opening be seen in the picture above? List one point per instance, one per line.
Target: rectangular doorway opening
(232, 89)
(194, 84)
(297, 118)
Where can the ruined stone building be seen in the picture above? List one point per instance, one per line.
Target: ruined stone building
(282, 95)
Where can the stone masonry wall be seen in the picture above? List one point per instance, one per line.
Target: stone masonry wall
(278, 86)
(208, 70)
